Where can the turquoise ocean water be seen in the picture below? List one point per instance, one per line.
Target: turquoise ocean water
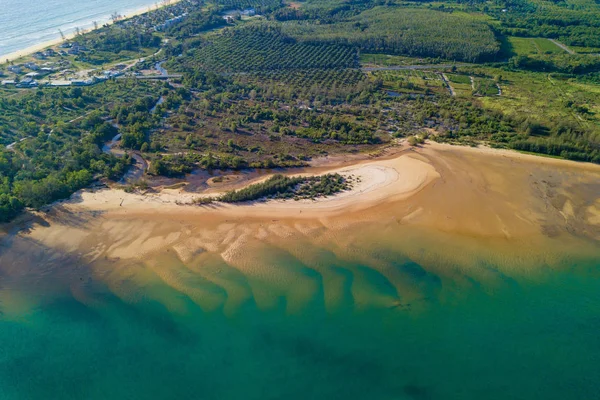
(145, 332)
(27, 23)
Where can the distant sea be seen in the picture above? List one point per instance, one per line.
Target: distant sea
(26, 23)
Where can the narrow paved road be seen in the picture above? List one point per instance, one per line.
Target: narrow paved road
(160, 68)
(447, 82)
(562, 46)
(11, 146)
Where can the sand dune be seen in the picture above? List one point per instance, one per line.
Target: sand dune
(376, 182)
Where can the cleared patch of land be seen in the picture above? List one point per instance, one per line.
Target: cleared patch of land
(526, 46)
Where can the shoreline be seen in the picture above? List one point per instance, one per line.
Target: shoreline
(380, 180)
(28, 51)
(471, 192)
(482, 195)
(515, 154)
(391, 178)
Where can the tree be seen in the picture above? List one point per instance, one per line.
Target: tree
(76, 93)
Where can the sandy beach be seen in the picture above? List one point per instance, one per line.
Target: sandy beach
(377, 182)
(464, 192)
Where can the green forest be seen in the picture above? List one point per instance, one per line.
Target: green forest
(415, 32)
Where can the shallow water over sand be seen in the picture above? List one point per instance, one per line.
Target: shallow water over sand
(384, 304)
(352, 318)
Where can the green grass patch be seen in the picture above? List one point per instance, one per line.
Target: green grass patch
(547, 99)
(585, 50)
(456, 78)
(485, 87)
(545, 46)
(527, 46)
(386, 60)
(522, 46)
(410, 81)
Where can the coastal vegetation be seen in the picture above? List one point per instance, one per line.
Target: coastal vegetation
(284, 187)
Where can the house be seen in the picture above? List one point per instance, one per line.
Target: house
(8, 82)
(32, 75)
(32, 66)
(82, 82)
(15, 69)
(169, 23)
(60, 83)
(112, 73)
(27, 83)
(76, 48)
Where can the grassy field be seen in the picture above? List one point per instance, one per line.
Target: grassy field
(410, 81)
(385, 60)
(527, 46)
(485, 87)
(545, 97)
(546, 46)
(585, 50)
(461, 84)
(460, 79)
(522, 46)
(539, 96)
